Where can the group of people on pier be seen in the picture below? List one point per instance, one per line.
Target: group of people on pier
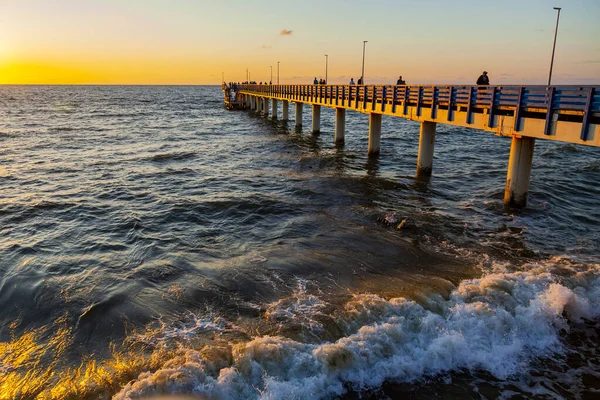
(482, 80)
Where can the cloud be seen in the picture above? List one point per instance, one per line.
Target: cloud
(264, 46)
(285, 32)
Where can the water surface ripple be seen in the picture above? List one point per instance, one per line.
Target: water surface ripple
(153, 242)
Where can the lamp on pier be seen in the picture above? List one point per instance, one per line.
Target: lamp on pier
(363, 62)
(554, 45)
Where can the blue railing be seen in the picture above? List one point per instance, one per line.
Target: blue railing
(579, 100)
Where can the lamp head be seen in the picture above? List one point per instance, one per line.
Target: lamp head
(557, 8)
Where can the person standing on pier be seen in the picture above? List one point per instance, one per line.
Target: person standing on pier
(483, 79)
(352, 81)
(360, 80)
(316, 82)
(400, 81)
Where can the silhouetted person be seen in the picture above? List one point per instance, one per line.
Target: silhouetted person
(400, 81)
(352, 81)
(360, 80)
(316, 82)
(483, 79)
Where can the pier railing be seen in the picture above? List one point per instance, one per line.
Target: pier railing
(581, 103)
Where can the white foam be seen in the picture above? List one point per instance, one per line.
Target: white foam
(497, 323)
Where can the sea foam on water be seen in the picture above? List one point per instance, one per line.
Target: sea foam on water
(496, 324)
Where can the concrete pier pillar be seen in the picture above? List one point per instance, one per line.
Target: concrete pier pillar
(274, 108)
(426, 145)
(265, 106)
(285, 110)
(253, 103)
(316, 119)
(519, 171)
(299, 114)
(340, 125)
(247, 100)
(374, 133)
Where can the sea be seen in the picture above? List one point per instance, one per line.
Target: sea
(154, 243)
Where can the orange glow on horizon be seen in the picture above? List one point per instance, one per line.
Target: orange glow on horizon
(121, 71)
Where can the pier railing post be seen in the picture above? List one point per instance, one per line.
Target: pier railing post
(316, 119)
(426, 146)
(285, 110)
(340, 125)
(374, 133)
(519, 171)
(299, 114)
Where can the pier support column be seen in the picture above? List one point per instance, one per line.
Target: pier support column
(426, 145)
(374, 133)
(253, 105)
(299, 114)
(265, 106)
(285, 110)
(519, 171)
(274, 108)
(316, 119)
(340, 125)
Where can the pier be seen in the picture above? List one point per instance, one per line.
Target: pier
(525, 113)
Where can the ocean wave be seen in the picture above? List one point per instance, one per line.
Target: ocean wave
(176, 156)
(497, 324)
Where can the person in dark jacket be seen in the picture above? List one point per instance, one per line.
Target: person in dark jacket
(483, 79)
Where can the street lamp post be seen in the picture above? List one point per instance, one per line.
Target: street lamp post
(271, 74)
(363, 63)
(247, 76)
(326, 63)
(278, 72)
(554, 45)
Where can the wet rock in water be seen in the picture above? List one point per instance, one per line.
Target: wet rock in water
(389, 219)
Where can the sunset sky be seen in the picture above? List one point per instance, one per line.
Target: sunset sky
(195, 41)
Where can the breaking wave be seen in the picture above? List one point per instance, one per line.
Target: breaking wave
(496, 324)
